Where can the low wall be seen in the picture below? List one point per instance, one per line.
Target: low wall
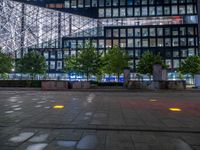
(152, 85)
(80, 85)
(54, 85)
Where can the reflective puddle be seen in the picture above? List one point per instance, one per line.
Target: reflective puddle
(87, 142)
(21, 137)
(17, 109)
(9, 112)
(39, 138)
(14, 106)
(66, 143)
(39, 146)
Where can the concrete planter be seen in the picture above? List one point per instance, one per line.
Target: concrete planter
(80, 85)
(54, 85)
(152, 85)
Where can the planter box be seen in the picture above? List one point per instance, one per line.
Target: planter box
(152, 85)
(80, 85)
(54, 85)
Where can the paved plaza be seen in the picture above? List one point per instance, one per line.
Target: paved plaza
(35, 120)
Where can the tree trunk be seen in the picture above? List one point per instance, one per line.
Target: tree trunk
(150, 77)
(118, 75)
(87, 74)
(193, 80)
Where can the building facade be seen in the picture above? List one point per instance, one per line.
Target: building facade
(168, 27)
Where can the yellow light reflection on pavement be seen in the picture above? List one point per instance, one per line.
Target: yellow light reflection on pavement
(175, 109)
(58, 107)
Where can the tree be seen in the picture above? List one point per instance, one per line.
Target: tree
(6, 64)
(115, 61)
(71, 64)
(191, 66)
(87, 62)
(32, 63)
(148, 59)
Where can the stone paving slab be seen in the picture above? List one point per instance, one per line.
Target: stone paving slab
(35, 120)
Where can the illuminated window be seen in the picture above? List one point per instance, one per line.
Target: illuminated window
(101, 12)
(174, 10)
(73, 3)
(122, 2)
(80, 3)
(151, 11)
(152, 32)
(87, 3)
(123, 43)
(137, 32)
(101, 3)
(108, 2)
(108, 12)
(130, 2)
(94, 3)
(122, 12)
(115, 42)
(176, 63)
(115, 12)
(59, 65)
(130, 32)
(130, 12)
(166, 10)
(152, 42)
(137, 11)
(160, 42)
(167, 42)
(144, 11)
(115, 3)
(182, 9)
(67, 4)
(168, 62)
(145, 32)
(130, 43)
(183, 42)
(189, 9)
(191, 52)
(191, 42)
(175, 42)
(116, 33)
(159, 10)
(52, 65)
(137, 43)
(145, 42)
(101, 43)
(123, 32)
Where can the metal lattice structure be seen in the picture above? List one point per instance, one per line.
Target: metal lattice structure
(23, 26)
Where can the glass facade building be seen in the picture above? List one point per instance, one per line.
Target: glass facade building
(168, 27)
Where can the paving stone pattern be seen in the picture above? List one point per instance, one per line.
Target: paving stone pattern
(99, 120)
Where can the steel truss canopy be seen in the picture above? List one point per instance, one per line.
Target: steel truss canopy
(23, 26)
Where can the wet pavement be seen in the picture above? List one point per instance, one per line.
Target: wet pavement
(34, 120)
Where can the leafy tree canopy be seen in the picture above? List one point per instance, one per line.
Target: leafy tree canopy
(115, 61)
(87, 62)
(148, 59)
(33, 63)
(6, 63)
(191, 65)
